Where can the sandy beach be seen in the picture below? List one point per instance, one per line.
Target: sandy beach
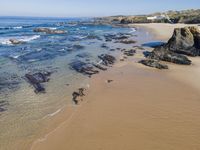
(142, 108)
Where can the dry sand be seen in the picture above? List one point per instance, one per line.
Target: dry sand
(142, 109)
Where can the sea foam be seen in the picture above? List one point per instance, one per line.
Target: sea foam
(6, 40)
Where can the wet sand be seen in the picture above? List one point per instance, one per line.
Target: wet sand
(143, 108)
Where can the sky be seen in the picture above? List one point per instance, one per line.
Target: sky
(91, 8)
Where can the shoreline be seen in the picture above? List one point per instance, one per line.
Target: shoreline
(114, 120)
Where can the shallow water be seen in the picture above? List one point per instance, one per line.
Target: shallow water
(23, 112)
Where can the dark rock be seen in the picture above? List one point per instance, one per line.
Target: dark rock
(138, 47)
(99, 67)
(36, 79)
(84, 55)
(153, 63)
(119, 36)
(84, 68)
(104, 46)
(78, 46)
(163, 54)
(126, 41)
(109, 81)
(154, 44)
(107, 59)
(74, 97)
(184, 41)
(130, 52)
(75, 47)
(49, 31)
(91, 37)
(78, 94)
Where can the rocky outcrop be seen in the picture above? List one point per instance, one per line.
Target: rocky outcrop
(83, 68)
(16, 42)
(49, 31)
(127, 41)
(118, 36)
(107, 59)
(153, 63)
(185, 41)
(98, 66)
(130, 52)
(164, 54)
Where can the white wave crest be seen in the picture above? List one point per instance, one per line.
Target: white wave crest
(132, 30)
(6, 40)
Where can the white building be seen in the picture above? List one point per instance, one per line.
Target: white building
(159, 17)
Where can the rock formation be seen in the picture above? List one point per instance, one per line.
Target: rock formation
(36, 79)
(185, 41)
(49, 31)
(16, 42)
(164, 54)
(153, 63)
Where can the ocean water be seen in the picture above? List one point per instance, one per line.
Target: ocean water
(22, 111)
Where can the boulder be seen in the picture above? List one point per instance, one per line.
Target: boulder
(153, 63)
(49, 31)
(185, 41)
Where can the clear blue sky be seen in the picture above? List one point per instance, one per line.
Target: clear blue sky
(85, 8)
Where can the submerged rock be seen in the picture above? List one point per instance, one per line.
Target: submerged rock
(127, 41)
(36, 79)
(49, 31)
(153, 63)
(104, 46)
(107, 59)
(9, 82)
(84, 68)
(130, 52)
(118, 36)
(99, 67)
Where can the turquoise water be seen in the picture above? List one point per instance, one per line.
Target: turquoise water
(22, 111)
